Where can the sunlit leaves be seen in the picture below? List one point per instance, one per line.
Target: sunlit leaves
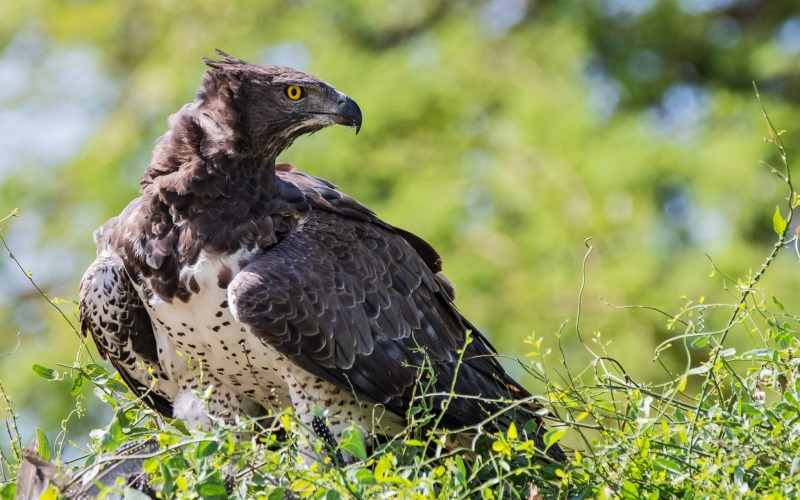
(44, 372)
(778, 222)
(43, 444)
(206, 448)
(551, 437)
(353, 442)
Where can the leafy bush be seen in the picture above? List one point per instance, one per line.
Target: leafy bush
(724, 425)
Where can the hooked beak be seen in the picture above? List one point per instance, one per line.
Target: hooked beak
(347, 113)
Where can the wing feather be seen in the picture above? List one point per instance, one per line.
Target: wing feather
(112, 312)
(368, 323)
(363, 305)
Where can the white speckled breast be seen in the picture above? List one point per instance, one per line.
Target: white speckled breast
(202, 336)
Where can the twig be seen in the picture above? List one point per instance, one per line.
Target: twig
(43, 294)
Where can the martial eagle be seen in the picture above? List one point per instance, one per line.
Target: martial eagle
(276, 288)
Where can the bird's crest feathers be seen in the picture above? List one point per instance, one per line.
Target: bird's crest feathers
(226, 63)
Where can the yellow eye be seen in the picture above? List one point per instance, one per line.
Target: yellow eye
(294, 92)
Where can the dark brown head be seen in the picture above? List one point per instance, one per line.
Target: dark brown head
(268, 107)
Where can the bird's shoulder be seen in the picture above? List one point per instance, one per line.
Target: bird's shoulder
(302, 192)
(309, 193)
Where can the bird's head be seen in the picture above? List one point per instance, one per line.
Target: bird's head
(263, 109)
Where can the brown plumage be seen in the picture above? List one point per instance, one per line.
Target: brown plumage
(288, 290)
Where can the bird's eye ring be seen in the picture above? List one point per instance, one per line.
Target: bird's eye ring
(294, 92)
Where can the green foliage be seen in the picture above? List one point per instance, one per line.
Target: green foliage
(504, 145)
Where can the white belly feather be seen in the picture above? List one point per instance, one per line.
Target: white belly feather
(202, 336)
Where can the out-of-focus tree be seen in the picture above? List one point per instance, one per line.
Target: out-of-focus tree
(505, 132)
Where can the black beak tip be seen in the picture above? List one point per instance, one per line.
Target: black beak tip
(348, 113)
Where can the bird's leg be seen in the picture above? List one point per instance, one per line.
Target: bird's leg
(304, 411)
(322, 430)
(342, 409)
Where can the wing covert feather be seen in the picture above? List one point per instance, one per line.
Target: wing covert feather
(353, 302)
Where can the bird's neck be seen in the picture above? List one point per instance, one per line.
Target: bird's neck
(196, 165)
(200, 194)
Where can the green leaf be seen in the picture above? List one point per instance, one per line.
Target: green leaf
(364, 476)
(531, 426)
(790, 398)
(778, 223)
(44, 372)
(166, 474)
(604, 405)
(95, 370)
(150, 465)
(777, 303)
(116, 385)
(512, 432)
(629, 490)
(42, 444)
(749, 409)
(353, 443)
(667, 465)
(206, 448)
(277, 494)
(212, 488)
(551, 437)
(699, 370)
(462, 470)
(77, 384)
(700, 342)
(759, 353)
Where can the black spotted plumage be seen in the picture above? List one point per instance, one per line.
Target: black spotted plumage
(321, 429)
(291, 292)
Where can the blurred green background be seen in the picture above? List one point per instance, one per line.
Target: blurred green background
(505, 132)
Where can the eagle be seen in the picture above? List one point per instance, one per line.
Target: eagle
(276, 288)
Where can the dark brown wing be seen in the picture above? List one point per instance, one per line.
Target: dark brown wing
(111, 311)
(351, 300)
